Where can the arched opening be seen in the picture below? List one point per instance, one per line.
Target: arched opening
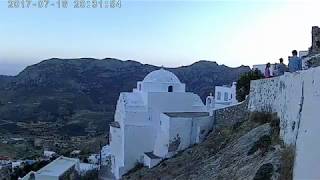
(170, 89)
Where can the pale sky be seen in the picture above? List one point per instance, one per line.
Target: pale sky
(168, 33)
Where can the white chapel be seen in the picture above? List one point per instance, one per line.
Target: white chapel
(155, 121)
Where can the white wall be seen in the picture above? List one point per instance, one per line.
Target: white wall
(225, 95)
(138, 140)
(162, 141)
(189, 130)
(162, 87)
(116, 148)
(222, 90)
(296, 99)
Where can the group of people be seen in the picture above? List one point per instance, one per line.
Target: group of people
(295, 64)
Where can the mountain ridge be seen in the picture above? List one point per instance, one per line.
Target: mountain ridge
(57, 90)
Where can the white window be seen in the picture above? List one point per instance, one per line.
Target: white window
(219, 96)
(225, 96)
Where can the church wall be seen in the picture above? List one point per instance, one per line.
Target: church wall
(180, 132)
(296, 99)
(162, 87)
(138, 140)
(116, 148)
(138, 118)
(175, 102)
(162, 140)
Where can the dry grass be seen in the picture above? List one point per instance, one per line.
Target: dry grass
(287, 163)
(268, 117)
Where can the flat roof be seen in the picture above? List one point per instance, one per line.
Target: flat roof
(57, 167)
(115, 124)
(187, 114)
(151, 155)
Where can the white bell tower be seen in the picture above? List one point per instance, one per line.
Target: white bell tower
(210, 104)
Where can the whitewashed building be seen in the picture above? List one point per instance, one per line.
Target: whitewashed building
(60, 168)
(49, 154)
(105, 156)
(224, 96)
(155, 121)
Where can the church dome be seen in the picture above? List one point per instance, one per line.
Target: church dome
(161, 76)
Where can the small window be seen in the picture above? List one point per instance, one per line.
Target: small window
(170, 89)
(219, 96)
(225, 96)
(139, 87)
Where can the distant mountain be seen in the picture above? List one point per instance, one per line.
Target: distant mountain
(82, 93)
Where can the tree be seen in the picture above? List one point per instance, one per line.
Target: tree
(243, 84)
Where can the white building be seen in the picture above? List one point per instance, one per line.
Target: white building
(60, 168)
(105, 156)
(156, 120)
(49, 154)
(224, 96)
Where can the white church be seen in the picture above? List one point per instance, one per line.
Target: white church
(155, 121)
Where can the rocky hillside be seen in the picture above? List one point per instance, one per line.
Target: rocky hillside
(82, 93)
(247, 148)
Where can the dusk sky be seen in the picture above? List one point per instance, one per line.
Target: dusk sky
(168, 33)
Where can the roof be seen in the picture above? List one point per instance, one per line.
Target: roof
(151, 155)
(161, 76)
(58, 167)
(87, 167)
(115, 124)
(187, 114)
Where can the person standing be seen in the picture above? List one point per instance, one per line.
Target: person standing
(281, 68)
(267, 73)
(295, 63)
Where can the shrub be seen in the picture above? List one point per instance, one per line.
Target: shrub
(264, 172)
(267, 117)
(264, 117)
(243, 84)
(90, 175)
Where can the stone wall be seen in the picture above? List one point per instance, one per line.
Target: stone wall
(296, 99)
(229, 116)
(315, 48)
